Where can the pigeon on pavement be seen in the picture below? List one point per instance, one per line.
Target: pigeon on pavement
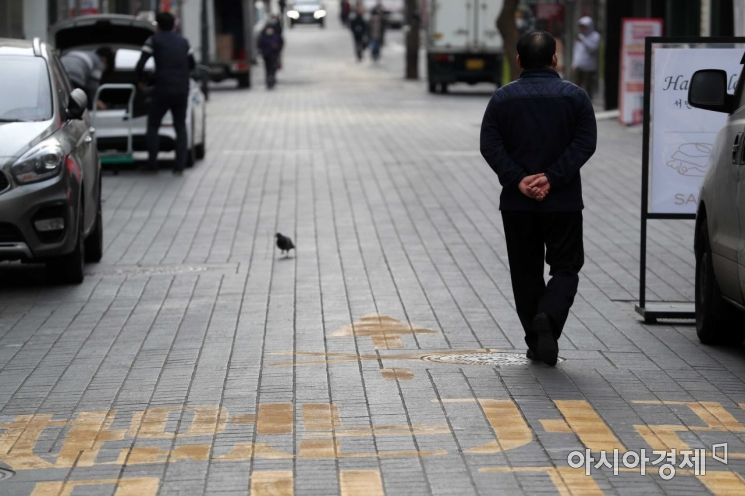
(284, 243)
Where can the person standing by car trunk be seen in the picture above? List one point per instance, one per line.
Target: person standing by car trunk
(536, 134)
(174, 61)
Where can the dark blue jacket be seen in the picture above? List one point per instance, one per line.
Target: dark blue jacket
(539, 123)
(174, 60)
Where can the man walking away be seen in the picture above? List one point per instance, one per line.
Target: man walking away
(174, 61)
(536, 134)
(585, 57)
(359, 28)
(377, 30)
(270, 46)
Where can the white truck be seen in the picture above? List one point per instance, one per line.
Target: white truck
(229, 33)
(463, 43)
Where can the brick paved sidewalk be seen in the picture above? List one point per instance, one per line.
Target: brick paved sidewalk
(384, 356)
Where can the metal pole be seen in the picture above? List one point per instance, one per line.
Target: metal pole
(204, 34)
(413, 28)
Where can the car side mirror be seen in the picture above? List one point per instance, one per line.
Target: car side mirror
(77, 104)
(708, 91)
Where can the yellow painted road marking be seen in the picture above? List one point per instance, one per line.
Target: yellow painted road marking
(271, 483)
(275, 418)
(384, 331)
(320, 417)
(207, 421)
(151, 423)
(590, 428)
(20, 437)
(712, 413)
(396, 373)
(556, 426)
(360, 483)
(567, 481)
(723, 483)
(570, 482)
(664, 437)
(510, 428)
(139, 486)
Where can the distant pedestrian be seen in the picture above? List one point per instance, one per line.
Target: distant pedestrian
(270, 46)
(86, 70)
(536, 134)
(174, 61)
(345, 11)
(585, 55)
(358, 25)
(377, 30)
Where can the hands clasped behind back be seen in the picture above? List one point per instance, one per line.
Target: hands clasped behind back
(535, 186)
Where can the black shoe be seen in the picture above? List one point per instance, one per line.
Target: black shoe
(530, 355)
(547, 349)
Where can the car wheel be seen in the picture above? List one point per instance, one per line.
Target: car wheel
(94, 241)
(244, 81)
(715, 318)
(201, 148)
(69, 269)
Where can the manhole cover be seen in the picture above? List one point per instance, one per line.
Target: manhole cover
(6, 472)
(490, 358)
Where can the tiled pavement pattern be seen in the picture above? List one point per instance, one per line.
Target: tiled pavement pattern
(195, 360)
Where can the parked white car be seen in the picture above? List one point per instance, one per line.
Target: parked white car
(125, 35)
(720, 222)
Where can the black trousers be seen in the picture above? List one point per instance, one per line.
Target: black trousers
(271, 63)
(531, 236)
(586, 81)
(161, 104)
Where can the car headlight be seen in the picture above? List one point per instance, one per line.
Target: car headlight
(41, 162)
(318, 14)
(293, 14)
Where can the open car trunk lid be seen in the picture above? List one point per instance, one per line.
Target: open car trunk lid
(100, 30)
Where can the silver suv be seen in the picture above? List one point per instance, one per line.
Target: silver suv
(50, 175)
(720, 221)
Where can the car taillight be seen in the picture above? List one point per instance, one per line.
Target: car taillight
(443, 57)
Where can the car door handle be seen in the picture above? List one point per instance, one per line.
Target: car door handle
(736, 148)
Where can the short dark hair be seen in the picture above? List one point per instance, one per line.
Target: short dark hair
(536, 49)
(107, 53)
(165, 21)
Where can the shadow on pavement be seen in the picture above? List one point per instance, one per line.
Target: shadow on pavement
(20, 275)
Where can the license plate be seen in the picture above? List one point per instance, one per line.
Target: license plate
(474, 64)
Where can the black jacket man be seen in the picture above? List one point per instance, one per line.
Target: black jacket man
(174, 61)
(537, 133)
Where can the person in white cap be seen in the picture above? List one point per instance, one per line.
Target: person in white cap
(585, 56)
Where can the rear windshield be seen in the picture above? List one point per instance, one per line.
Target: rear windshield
(27, 95)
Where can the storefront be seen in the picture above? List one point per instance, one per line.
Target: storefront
(679, 18)
(11, 19)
